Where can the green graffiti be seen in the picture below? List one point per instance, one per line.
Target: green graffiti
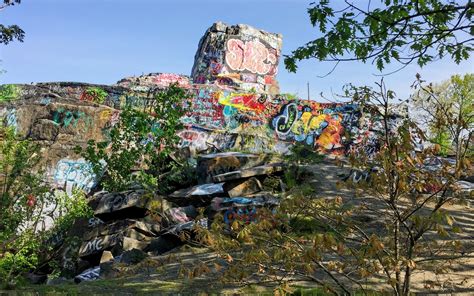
(94, 94)
(9, 92)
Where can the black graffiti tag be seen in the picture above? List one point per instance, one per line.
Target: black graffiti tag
(283, 122)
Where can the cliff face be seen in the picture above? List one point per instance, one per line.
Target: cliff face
(233, 104)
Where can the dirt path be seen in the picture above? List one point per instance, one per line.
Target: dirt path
(456, 276)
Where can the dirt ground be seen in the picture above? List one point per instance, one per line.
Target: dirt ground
(457, 276)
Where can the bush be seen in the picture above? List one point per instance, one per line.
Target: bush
(24, 203)
(140, 143)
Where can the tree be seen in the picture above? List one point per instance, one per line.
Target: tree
(325, 240)
(25, 201)
(140, 142)
(395, 31)
(448, 110)
(12, 32)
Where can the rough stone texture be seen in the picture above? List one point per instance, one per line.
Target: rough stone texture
(198, 195)
(267, 169)
(238, 56)
(154, 80)
(121, 235)
(106, 257)
(130, 204)
(219, 163)
(242, 187)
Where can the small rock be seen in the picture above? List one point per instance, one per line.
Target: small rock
(130, 204)
(88, 275)
(130, 243)
(181, 214)
(35, 279)
(106, 256)
(57, 281)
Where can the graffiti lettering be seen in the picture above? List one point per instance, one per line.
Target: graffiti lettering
(74, 174)
(12, 119)
(252, 56)
(93, 246)
(283, 122)
(95, 95)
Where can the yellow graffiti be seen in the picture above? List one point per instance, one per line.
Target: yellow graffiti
(241, 101)
(330, 138)
(308, 122)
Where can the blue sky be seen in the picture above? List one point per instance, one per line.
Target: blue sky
(101, 41)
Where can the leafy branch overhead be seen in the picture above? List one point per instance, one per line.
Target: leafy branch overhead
(12, 32)
(399, 31)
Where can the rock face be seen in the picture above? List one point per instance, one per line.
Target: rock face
(238, 56)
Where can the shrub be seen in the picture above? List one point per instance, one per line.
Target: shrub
(139, 143)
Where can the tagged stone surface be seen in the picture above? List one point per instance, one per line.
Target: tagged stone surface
(242, 187)
(122, 235)
(267, 169)
(238, 55)
(121, 201)
(197, 195)
(219, 163)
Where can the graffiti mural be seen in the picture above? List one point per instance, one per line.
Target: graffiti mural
(252, 56)
(238, 56)
(94, 95)
(11, 119)
(70, 174)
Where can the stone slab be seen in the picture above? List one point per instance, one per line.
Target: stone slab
(242, 187)
(198, 195)
(267, 169)
(219, 163)
(122, 235)
(113, 202)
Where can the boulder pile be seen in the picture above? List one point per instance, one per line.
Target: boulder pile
(136, 224)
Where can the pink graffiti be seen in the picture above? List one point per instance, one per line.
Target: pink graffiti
(165, 79)
(252, 56)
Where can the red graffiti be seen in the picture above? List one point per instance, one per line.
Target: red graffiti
(252, 56)
(31, 201)
(88, 97)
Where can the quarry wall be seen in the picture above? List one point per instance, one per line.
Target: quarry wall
(233, 104)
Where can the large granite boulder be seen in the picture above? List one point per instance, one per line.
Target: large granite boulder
(238, 55)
